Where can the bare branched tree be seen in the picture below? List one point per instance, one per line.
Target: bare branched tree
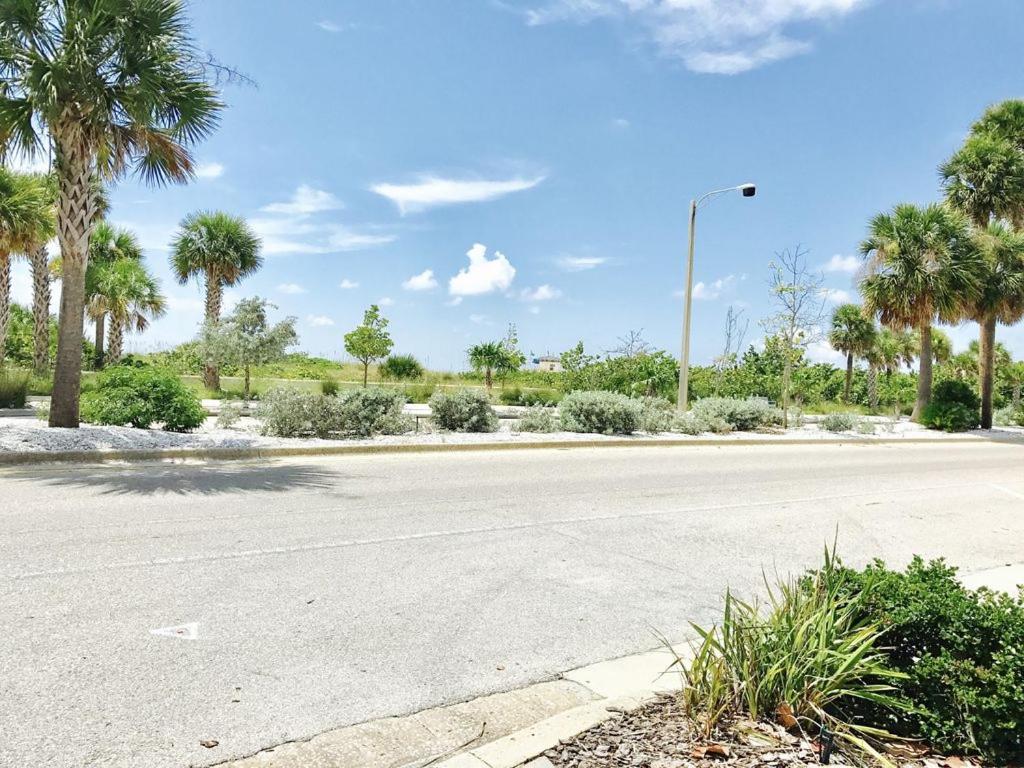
(799, 298)
(736, 327)
(630, 345)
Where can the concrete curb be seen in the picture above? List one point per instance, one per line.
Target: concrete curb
(271, 452)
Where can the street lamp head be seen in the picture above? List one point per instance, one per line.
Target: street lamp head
(748, 190)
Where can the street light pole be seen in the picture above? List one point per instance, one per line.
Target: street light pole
(682, 401)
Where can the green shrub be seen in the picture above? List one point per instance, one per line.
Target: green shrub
(528, 397)
(510, 396)
(401, 368)
(865, 427)
(367, 412)
(962, 653)
(953, 391)
(419, 393)
(465, 410)
(949, 417)
(838, 422)
(606, 413)
(1007, 417)
(329, 387)
(688, 424)
(229, 415)
(657, 415)
(539, 419)
(13, 388)
(743, 415)
(285, 412)
(140, 396)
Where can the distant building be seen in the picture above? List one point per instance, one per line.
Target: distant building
(548, 363)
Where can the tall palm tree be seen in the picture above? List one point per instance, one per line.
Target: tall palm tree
(487, 357)
(942, 347)
(853, 334)
(125, 292)
(222, 249)
(985, 180)
(922, 265)
(110, 85)
(26, 219)
(107, 246)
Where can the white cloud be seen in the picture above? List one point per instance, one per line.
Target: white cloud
(823, 352)
(386, 301)
(319, 321)
(431, 191)
(483, 275)
(330, 26)
(540, 293)
(453, 302)
(580, 263)
(209, 170)
(621, 123)
(712, 36)
(424, 281)
(293, 289)
(300, 235)
(837, 295)
(534, 310)
(710, 291)
(22, 164)
(837, 263)
(478, 319)
(348, 285)
(305, 201)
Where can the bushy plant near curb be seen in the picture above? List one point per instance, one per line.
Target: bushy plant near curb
(539, 419)
(529, 397)
(229, 415)
(657, 415)
(743, 415)
(287, 412)
(605, 413)
(367, 412)
(463, 411)
(954, 407)
(284, 412)
(961, 651)
(13, 388)
(329, 387)
(140, 396)
(838, 422)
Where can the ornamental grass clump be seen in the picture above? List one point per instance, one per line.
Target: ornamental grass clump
(803, 659)
(463, 411)
(13, 388)
(605, 413)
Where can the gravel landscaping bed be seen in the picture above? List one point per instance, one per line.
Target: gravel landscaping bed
(21, 434)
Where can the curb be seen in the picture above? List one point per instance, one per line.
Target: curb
(235, 454)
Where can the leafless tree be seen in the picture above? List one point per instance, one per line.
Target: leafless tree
(630, 345)
(735, 331)
(799, 299)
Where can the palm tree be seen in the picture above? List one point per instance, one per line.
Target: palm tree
(942, 347)
(922, 265)
(487, 357)
(222, 249)
(853, 334)
(107, 246)
(109, 86)
(1015, 378)
(26, 219)
(124, 291)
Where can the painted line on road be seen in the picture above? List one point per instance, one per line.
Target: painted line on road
(475, 530)
(1007, 491)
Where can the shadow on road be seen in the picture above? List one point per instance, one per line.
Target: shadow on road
(183, 480)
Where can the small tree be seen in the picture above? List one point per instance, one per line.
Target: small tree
(514, 357)
(800, 305)
(853, 334)
(245, 338)
(487, 356)
(369, 341)
(735, 331)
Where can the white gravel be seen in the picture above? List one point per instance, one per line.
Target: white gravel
(21, 434)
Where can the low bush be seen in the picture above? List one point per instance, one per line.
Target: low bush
(690, 424)
(140, 396)
(367, 412)
(229, 415)
(865, 427)
(539, 419)
(743, 415)
(419, 393)
(13, 388)
(529, 397)
(464, 410)
(657, 415)
(838, 422)
(287, 412)
(953, 407)
(960, 652)
(606, 413)
(1007, 417)
(400, 368)
(510, 396)
(329, 387)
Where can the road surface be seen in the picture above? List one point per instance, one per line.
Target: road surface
(326, 592)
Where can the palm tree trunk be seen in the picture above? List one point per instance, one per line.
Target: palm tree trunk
(924, 375)
(115, 345)
(873, 386)
(75, 214)
(214, 297)
(245, 390)
(5, 301)
(488, 380)
(849, 377)
(1016, 396)
(99, 354)
(986, 368)
(366, 372)
(40, 263)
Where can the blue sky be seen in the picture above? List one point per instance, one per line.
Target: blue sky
(388, 139)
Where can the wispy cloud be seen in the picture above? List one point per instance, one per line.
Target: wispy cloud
(209, 170)
(424, 281)
(292, 289)
(331, 26)
(580, 263)
(837, 296)
(302, 236)
(540, 293)
(348, 285)
(483, 275)
(386, 301)
(319, 321)
(838, 263)
(710, 291)
(724, 37)
(431, 191)
(306, 200)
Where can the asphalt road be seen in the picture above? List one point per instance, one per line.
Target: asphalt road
(327, 592)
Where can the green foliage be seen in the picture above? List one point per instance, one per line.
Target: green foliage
(644, 374)
(960, 652)
(1008, 417)
(540, 419)
(742, 415)
(367, 412)
(229, 415)
(400, 368)
(287, 412)
(956, 392)
(369, 341)
(18, 346)
(606, 413)
(529, 397)
(140, 396)
(419, 393)
(329, 387)
(13, 388)
(657, 415)
(954, 407)
(810, 649)
(838, 422)
(463, 411)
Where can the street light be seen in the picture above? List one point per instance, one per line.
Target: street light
(747, 190)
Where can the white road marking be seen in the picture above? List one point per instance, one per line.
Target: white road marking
(188, 631)
(1007, 491)
(497, 528)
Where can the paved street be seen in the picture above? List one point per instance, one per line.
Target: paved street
(327, 592)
